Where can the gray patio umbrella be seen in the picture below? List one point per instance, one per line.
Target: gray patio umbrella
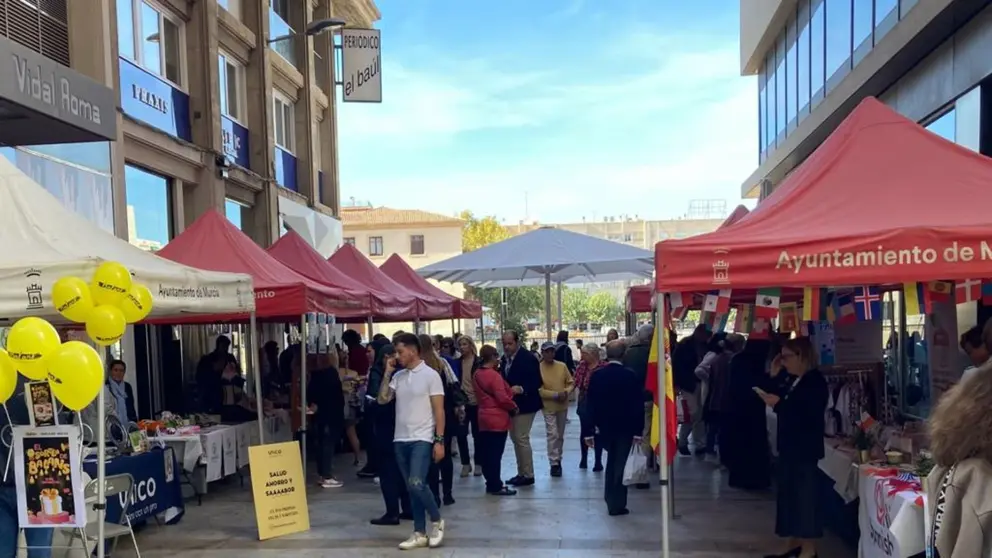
(549, 254)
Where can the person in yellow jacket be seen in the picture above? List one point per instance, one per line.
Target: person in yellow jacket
(556, 385)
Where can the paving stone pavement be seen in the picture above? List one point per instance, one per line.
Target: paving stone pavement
(560, 517)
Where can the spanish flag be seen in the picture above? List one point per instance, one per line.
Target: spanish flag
(671, 428)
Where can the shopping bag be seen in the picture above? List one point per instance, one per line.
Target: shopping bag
(636, 469)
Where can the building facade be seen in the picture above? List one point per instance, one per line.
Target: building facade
(212, 112)
(419, 237)
(817, 59)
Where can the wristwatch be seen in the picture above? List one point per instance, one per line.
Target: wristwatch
(438, 439)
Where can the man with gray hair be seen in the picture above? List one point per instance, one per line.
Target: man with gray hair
(618, 423)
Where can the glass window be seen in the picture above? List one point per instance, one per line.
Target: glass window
(905, 6)
(231, 87)
(770, 99)
(150, 38)
(375, 245)
(125, 28)
(883, 8)
(780, 85)
(863, 23)
(816, 49)
(282, 114)
(762, 127)
(416, 245)
(233, 211)
(802, 53)
(944, 125)
(281, 8)
(349, 240)
(838, 35)
(149, 208)
(232, 6)
(791, 73)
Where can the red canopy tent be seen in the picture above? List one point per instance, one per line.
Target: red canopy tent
(298, 255)
(214, 243)
(737, 214)
(354, 264)
(401, 272)
(881, 201)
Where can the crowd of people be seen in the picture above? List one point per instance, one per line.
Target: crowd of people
(411, 403)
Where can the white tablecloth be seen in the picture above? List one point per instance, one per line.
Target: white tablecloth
(223, 448)
(840, 464)
(891, 521)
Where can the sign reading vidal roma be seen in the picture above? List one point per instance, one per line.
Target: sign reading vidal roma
(361, 66)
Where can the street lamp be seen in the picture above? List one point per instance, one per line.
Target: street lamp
(313, 28)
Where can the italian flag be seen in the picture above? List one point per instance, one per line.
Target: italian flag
(651, 384)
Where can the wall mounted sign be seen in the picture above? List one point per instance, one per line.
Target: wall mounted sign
(152, 100)
(235, 140)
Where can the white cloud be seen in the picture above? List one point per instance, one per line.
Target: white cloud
(668, 123)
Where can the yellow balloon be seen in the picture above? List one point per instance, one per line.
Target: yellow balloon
(72, 298)
(137, 304)
(8, 376)
(29, 343)
(111, 281)
(76, 374)
(106, 325)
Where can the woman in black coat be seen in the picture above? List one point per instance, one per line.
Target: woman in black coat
(801, 411)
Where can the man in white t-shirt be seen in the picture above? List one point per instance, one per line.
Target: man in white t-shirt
(419, 437)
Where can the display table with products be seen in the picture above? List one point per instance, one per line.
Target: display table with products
(156, 493)
(891, 513)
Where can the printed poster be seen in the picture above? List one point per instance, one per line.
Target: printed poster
(940, 335)
(279, 490)
(858, 342)
(49, 477)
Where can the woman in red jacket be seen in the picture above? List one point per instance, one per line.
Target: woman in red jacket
(496, 406)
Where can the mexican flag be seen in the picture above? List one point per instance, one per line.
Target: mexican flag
(668, 403)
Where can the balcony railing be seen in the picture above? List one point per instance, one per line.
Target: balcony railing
(279, 28)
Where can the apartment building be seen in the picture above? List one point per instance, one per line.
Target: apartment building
(419, 237)
(222, 104)
(817, 59)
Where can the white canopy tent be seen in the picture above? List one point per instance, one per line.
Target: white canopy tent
(548, 255)
(44, 241)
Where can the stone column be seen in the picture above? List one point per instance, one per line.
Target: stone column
(263, 219)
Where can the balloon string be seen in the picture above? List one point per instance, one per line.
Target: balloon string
(10, 448)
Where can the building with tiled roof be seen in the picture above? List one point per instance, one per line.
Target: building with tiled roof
(374, 217)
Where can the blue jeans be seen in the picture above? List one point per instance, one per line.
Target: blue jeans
(39, 541)
(414, 460)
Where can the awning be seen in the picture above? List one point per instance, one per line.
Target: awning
(402, 273)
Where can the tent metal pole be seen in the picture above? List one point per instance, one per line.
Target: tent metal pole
(503, 303)
(369, 321)
(661, 331)
(561, 323)
(101, 473)
(256, 373)
(547, 303)
(303, 391)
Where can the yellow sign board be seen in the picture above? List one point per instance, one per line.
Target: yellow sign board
(279, 490)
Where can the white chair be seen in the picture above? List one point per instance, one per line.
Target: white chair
(116, 485)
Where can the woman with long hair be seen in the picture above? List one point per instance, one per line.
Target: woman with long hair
(496, 407)
(959, 484)
(351, 383)
(454, 410)
(801, 409)
(468, 363)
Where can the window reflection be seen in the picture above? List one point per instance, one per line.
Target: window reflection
(791, 74)
(125, 29)
(802, 54)
(838, 35)
(863, 23)
(149, 214)
(816, 53)
(762, 127)
(944, 126)
(232, 210)
(770, 100)
(780, 86)
(150, 39)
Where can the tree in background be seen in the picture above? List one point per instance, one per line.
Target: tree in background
(603, 308)
(574, 303)
(523, 303)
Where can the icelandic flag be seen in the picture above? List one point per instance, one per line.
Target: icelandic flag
(867, 303)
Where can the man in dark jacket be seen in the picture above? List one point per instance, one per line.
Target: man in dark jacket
(522, 371)
(563, 353)
(686, 357)
(636, 358)
(614, 392)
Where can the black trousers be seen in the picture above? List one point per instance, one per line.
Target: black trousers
(588, 431)
(391, 482)
(441, 475)
(326, 436)
(614, 491)
(489, 455)
(471, 425)
(366, 436)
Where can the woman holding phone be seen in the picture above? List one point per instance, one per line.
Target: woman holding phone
(800, 408)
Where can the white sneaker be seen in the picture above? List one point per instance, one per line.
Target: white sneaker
(437, 534)
(331, 483)
(416, 540)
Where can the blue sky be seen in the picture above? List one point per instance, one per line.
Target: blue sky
(582, 108)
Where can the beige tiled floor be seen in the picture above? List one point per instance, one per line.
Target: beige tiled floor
(563, 517)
